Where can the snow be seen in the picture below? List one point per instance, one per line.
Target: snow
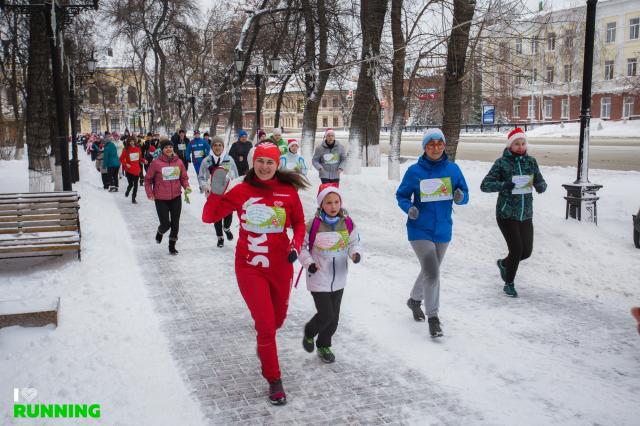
(108, 348)
(565, 352)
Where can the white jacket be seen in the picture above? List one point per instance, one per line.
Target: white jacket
(332, 249)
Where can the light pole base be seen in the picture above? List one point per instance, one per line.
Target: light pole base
(582, 201)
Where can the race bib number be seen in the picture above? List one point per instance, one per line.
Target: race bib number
(134, 156)
(330, 158)
(171, 173)
(182, 146)
(331, 244)
(438, 189)
(263, 219)
(198, 154)
(524, 184)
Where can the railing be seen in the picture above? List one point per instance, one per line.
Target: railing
(481, 128)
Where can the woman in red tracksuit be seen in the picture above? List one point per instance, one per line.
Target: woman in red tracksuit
(267, 203)
(131, 159)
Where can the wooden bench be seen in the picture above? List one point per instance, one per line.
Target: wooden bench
(39, 224)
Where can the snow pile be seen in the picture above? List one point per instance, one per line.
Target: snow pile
(597, 127)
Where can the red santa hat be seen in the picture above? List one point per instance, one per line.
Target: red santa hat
(326, 189)
(516, 133)
(268, 150)
(291, 142)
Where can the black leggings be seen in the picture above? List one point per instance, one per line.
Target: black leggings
(325, 322)
(169, 215)
(519, 238)
(113, 176)
(133, 183)
(226, 222)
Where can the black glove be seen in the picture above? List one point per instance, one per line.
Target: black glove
(356, 258)
(293, 255)
(312, 268)
(508, 185)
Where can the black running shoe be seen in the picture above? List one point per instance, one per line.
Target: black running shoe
(434, 327)
(414, 305)
(158, 237)
(276, 393)
(172, 247)
(326, 355)
(228, 233)
(307, 343)
(220, 242)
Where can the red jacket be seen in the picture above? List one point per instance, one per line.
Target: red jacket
(164, 178)
(265, 214)
(132, 157)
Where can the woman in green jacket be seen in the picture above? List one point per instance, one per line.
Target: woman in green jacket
(514, 176)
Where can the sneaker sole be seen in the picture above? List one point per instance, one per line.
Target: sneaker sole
(435, 336)
(279, 401)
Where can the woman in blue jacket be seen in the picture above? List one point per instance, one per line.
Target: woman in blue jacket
(427, 193)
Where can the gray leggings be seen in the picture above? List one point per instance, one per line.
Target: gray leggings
(427, 285)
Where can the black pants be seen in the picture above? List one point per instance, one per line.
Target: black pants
(141, 177)
(105, 180)
(133, 183)
(113, 176)
(169, 215)
(519, 238)
(326, 180)
(325, 322)
(226, 222)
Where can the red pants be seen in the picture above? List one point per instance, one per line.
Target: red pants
(266, 293)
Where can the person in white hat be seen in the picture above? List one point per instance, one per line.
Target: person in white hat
(329, 158)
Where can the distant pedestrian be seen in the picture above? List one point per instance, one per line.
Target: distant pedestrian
(180, 142)
(278, 140)
(131, 160)
(197, 149)
(514, 176)
(292, 161)
(329, 158)
(426, 194)
(635, 312)
(111, 162)
(239, 151)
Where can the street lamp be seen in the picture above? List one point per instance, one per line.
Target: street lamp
(179, 98)
(581, 194)
(275, 69)
(92, 63)
(192, 99)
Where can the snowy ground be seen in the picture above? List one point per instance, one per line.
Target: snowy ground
(565, 352)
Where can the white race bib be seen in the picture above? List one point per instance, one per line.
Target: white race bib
(134, 156)
(524, 184)
(438, 189)
(198, 154)
(171, 173)
(263, 219)
(182, 146)
(331, 244)
(330, 158)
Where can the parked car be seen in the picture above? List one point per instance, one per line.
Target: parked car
(636, 229)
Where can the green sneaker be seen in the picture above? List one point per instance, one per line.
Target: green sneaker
(326, 355)
(503, 270)
(307, 344)
(510, 290)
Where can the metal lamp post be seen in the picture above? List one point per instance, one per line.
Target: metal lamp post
(581, 194)
(180, 97)
(192, 99)
(275, 69)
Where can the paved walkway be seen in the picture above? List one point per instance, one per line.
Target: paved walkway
(213, 341)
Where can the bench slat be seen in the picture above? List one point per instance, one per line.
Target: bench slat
(36, 242)
(22, 249)
(37, 217)
(39, 229)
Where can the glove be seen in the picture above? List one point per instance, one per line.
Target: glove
(293, 255)
(540, 188)
(413, 213)
(312, 269)
(218, 181)
(508, 185)
(187, 191)
(458, 195)
(356, 258)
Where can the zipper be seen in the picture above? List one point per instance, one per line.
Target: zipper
(521, 195)
(333, 278)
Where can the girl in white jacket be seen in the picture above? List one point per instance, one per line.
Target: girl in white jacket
(330, 242)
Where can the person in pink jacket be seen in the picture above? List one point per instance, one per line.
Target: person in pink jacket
(163, 184)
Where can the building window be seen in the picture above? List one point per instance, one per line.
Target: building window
(632, 67)
(324, 102)
(132, 123)
(335, 121)
(518, 78)
(325, 121)
(605, 108)
(634, 28)
(115, 125)
(551, 41)
(611, 32)
(568, 40)
(535, 74)
(567, 73)
(564, 108)
(132, 95)
(93, 96)
(518, 45)
(534, 45)
(549, 74)
(516, 108)
(608, 70)
(336, 102)
(95, 125)
(531, 108)
(299, 123)
(627, 107)
(548, 108)
(300, 105)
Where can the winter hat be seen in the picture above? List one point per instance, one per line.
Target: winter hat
(291, 142)
(196, 132)
(268, 150)
(432, 134)
(516, 133)
(217, 139)
(261, 133)
(277, 131)
(326, 189)
(329, 132)
(165, 143)
(242, 133)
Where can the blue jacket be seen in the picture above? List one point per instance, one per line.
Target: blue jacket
(197, 149)
(110, 158)
(434, 222)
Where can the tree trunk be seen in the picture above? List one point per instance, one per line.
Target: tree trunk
(397, 83)
(38, 121)
(283, 88)
(463, 11)
(364, 134)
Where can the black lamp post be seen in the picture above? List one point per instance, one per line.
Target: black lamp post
(192, 99)
(275, 68)
(151, 123)
(581, 194)
(179, 99)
